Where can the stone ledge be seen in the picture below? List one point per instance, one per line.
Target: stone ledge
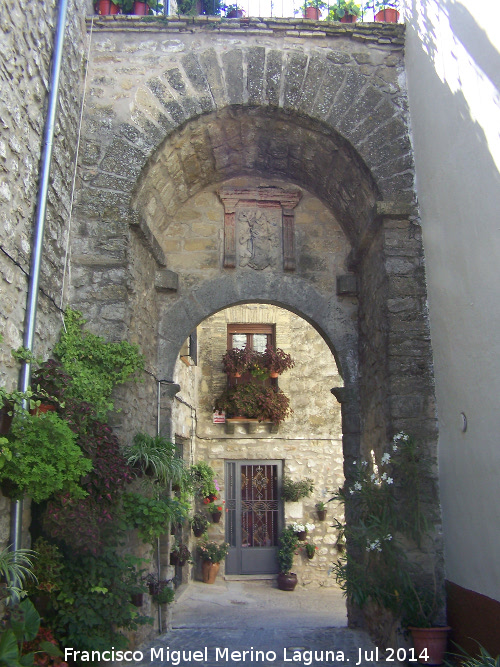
(381, 33)
(251, 426)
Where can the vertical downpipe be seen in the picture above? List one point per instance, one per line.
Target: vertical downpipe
(36, 253)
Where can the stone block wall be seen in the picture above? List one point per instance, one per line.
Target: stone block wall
(27, 36)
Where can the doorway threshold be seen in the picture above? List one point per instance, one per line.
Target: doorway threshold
(250, 577)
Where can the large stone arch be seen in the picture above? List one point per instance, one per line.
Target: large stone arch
(205, 107)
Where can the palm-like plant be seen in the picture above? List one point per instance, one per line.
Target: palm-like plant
(16, 568)
(155, 456)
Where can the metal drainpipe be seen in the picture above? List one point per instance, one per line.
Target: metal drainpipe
(36, 254)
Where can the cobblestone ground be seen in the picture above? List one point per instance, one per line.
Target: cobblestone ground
(275, 628)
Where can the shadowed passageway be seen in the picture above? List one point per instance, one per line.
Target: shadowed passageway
(229, 617)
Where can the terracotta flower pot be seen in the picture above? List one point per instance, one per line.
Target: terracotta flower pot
(43, 408)
(198, 532)
(312, 13)
(216, 517)
(209, 571)
(433, 640)
(140, 8)
(287, 582)
(137, 599)
(387, 15)
(349, 18)
(273, 374)
(302, 535)
(235, 14)
(321, 515)
(106, 8)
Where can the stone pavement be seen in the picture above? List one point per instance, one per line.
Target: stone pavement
(276, 628)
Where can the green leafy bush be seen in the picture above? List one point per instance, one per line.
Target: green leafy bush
(96, 366)
(155, 455)
(93, 605)
(289, 543)
(294, 491)
(254, 401)
(45, 458)
(151, 515)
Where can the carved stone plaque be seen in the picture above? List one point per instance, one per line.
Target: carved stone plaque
(259, 227)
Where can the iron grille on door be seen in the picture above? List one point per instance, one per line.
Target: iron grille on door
(253, 516)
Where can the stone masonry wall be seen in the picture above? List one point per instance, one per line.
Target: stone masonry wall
(27, 37)
(309, 442)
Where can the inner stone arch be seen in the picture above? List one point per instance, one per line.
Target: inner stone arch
(308, 444)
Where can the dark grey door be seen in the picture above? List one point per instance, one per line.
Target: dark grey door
(253, 519)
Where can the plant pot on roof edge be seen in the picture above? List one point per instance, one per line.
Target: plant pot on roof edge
(106, 8)
(140, 8)
(387, 15)
(345, 11)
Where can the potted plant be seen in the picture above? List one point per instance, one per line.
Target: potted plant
(155, 456)
(321, 510)
(179, 554)
(212, 553)
(277, 361)
(234, 11)
(160, 589)
(107, 7)
(293, 491)
(16, 573)
(310, 550)
(45, 458)
(345, 11)
(48, 569)
(203, 481)
(288, 542)
(215, 508)
(311, 9)
(302, 529)
(254, 401)
(384, 11)
(421, 606)
(199, 523)
(235, 361)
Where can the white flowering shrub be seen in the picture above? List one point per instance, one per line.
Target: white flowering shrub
(384, 503)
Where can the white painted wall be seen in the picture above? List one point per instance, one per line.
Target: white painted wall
(453, 72)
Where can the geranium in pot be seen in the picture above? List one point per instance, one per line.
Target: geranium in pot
(212, 553)
(289, 543)
(345, 11)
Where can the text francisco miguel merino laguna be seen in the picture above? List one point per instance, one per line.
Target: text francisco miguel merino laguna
(224, 654)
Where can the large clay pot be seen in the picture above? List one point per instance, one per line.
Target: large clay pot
(287, 582)
(434, 640)
(387, 15)
(209, 571)
(349, 18)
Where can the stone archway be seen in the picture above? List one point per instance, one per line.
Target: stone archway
(329, 121)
